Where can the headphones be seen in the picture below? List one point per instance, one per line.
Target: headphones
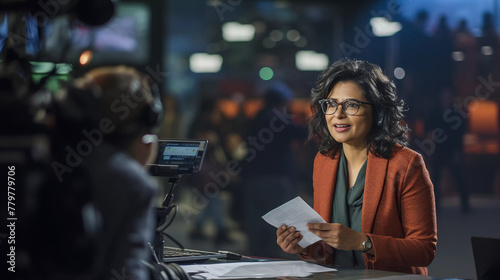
(150, 118)
(167, 271)
(152, 114)
(146, 121)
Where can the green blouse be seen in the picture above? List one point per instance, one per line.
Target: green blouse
(347, 205)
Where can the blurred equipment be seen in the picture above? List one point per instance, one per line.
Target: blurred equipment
(175, 159)
(91, 12)
(484, 118)
(486, 257)
(172, 254)
(29, 143)
(483, 136)
(178, 157)
(55, 219)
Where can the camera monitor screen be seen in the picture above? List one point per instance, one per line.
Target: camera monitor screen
(178, 157)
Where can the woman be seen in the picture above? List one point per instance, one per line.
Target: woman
(374, 192)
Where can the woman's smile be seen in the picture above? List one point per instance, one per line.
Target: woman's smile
(339, 127)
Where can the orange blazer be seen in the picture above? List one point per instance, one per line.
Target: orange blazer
(398, 211)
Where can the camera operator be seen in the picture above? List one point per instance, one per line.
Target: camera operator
(108, 146)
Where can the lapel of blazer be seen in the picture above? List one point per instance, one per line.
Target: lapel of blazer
(327, 178)
(376, 170)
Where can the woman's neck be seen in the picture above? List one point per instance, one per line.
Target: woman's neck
(355, 154)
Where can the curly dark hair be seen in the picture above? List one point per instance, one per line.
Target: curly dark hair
(378, 89)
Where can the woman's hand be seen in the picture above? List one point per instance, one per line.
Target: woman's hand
(338, 235)
(288, 239)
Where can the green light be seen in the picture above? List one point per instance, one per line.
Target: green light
(266, 73)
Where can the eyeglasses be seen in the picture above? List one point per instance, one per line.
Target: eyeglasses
(349, 106)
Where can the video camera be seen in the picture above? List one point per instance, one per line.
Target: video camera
(90, 12)
(30, 140)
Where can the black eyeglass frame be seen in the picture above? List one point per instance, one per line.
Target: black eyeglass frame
(332, 101)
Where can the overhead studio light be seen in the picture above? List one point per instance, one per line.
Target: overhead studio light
(234, 32)
(276, 35)
(205, 63)
(458, 56)
(293, 35)
(311, 61)
(85, 57)
(487, 50)
(266, 73)
(63, 68)
(39, 67)
(383, 28)
(399, 73)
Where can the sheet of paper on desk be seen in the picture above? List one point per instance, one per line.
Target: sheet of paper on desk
(268, 269)
(403, 277)
(297, 213)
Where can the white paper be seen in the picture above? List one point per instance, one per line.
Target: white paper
(297, 213)
(267, 269)
(403, 277)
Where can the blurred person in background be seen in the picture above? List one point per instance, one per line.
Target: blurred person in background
(488, 47)
(448, 154)
(443, 67)
(417, 60)
(266, 169)
(210, 125)
(466, 62)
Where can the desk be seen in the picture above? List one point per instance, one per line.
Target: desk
(352, 273)
(341, 273)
